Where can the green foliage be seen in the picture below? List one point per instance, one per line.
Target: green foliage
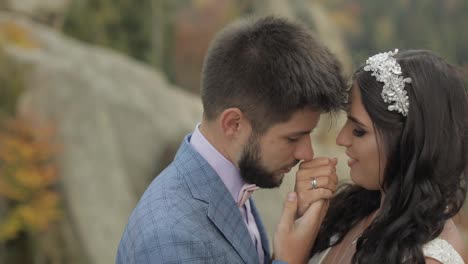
(124, 25)
(417, 24)
(12, 84)
(146, 29)
(132, 27)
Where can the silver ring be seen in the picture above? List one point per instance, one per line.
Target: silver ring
(314, 183)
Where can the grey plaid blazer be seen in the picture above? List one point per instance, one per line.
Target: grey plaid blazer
(187, 215)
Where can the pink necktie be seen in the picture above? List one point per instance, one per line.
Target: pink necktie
(243, 204)
(245, 193)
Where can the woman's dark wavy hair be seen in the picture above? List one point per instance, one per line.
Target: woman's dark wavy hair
(425, 178)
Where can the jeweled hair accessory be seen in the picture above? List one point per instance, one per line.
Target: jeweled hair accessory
(387, 70)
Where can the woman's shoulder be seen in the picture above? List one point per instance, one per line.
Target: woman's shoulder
(447, 248)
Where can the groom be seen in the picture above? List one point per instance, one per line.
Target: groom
(265, 83)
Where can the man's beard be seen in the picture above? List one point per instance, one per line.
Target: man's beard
(252, 169)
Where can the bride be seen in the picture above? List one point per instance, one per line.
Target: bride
(407, 141)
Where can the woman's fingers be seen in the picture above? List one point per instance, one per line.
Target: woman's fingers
(315, 180)
(318, 162)
(327, 182)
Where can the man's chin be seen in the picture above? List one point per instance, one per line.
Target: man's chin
(261, 177)
(274, 182)
(272, 185)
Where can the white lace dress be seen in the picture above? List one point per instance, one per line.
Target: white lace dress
(437, 249)
(442, 251)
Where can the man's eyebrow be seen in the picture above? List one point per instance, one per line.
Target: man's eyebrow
(355, 120)
(300, 133)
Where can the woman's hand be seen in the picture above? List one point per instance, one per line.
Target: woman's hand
(294, 238)
(319, 173)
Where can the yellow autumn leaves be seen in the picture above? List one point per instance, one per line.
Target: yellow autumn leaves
(29, 201)
(15, 34)
(28, 176)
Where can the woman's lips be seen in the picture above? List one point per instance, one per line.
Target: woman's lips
(351, 162)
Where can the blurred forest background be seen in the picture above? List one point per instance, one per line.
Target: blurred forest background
(96, 95)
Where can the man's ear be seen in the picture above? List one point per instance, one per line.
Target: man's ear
(233, 122)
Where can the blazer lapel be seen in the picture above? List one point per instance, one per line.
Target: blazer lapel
(207, 186)
(224, 213)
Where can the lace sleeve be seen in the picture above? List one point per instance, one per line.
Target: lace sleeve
(442, 251)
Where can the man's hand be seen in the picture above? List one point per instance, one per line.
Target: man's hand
(323, 171)
(294, 238)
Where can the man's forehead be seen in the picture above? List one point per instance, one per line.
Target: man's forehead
(299, 125)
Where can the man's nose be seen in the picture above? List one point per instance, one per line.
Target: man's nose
(304, 150)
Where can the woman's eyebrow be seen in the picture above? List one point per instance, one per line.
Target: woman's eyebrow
(355, 120)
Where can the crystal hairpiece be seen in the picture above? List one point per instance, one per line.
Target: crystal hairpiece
(387, 70)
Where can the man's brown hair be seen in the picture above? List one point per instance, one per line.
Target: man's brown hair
(269, 68)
